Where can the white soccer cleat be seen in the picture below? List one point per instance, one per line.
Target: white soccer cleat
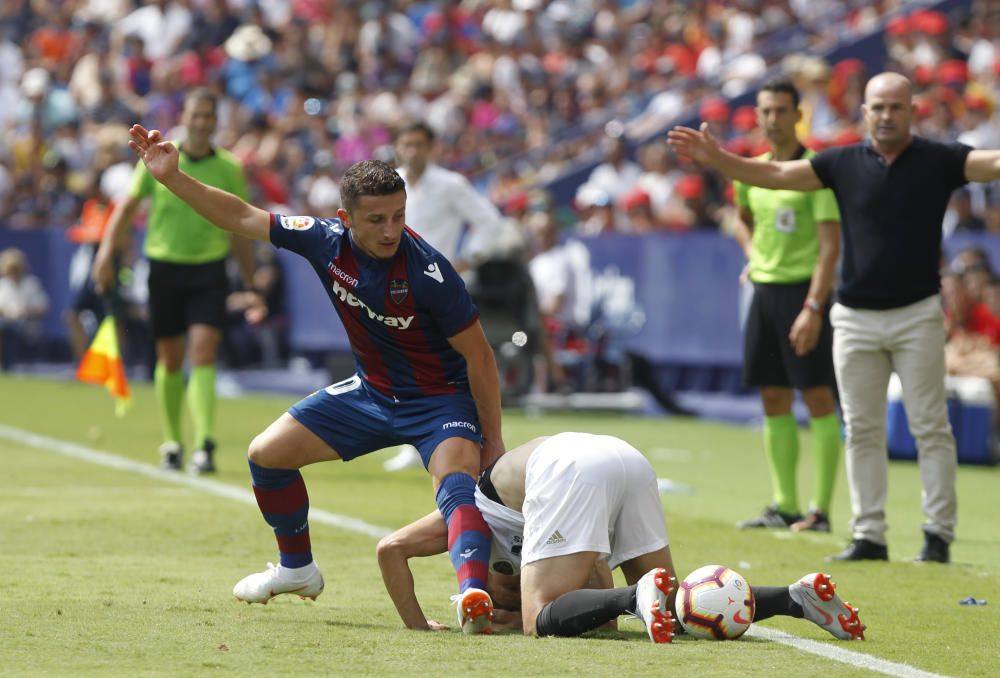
(651, 604)
(305, 582)
(407, 457)
(822, 606)
(475, 611)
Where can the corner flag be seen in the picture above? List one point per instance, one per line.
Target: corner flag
(102, 364)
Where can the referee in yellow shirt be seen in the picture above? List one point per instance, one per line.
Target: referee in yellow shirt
(792, 241)
(187, 279)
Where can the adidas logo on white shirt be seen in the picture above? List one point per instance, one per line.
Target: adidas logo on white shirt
(556, 538)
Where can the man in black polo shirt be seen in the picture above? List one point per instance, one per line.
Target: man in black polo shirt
(892, 191)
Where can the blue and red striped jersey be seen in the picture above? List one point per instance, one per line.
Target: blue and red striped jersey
(398, 312)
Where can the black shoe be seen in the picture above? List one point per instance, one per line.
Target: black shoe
(772, 518)
(171, 456)
(203, 460)
(935, 550)
(815, 521)
(862, 549)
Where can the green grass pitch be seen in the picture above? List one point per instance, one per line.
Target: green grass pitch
(114, 573)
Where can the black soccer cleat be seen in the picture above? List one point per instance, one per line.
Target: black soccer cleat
(862, 549)
(771, 518)
(935, 550)
(171, 456)
(815, 521)
(203, 460)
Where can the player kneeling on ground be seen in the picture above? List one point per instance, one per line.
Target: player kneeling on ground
(564, 511)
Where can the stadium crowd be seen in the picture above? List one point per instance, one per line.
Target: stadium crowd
(518, 91)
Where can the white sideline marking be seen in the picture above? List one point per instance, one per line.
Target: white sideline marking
(838, 654)
(833, 653)
(210, 486)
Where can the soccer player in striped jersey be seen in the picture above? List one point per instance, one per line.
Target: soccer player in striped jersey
(426, 374)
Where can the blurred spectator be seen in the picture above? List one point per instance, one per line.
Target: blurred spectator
(973, 340)
(23, 304)
(257, 321)
(973, 265)
(442, 206)
(617, 174)
(691, 208)
(960, 218)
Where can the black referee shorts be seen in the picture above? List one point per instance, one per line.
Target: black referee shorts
(768, 356)
(181, 295)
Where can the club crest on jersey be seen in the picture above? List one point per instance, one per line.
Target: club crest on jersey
(297, 223)
(398, 289)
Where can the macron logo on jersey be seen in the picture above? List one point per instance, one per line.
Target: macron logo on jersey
(343, 275)
(434, 272)
(387, 320)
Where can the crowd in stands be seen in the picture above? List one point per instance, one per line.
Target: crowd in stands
(518, 91)
(311, 86)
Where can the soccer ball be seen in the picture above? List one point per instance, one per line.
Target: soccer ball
(715, 602)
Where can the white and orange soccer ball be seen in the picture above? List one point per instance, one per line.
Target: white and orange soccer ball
(715, 602)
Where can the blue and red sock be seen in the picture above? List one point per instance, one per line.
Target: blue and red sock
(282, 498)
(469, 536)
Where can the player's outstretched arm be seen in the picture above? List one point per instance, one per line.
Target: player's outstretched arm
(982, 166)
(427, 536)
(700, 146)
(223, 209)
(484, 381)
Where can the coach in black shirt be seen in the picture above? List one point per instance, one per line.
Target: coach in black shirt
(892, 191)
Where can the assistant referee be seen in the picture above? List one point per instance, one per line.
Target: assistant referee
(187, 279)
(793, 241)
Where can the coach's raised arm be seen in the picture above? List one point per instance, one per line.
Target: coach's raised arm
(703, 148)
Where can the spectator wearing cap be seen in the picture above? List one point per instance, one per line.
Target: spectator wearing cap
(691, 208)
(637, 209)
(715, 111)
(792, 242)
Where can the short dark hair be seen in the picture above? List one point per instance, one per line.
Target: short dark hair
(782, 86)
(419, 126)
(368, 177)
(202, 94)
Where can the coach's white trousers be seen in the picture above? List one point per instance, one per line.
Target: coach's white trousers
(867, 347)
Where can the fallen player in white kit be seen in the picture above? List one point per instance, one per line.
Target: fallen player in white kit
(564, 511)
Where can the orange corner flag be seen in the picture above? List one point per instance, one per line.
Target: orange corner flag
(102, 364)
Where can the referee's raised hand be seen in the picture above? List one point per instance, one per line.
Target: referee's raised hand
(160, 157)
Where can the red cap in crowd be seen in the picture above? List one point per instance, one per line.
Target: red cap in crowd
(634, 199)
(953, 72)
(714, 110)
(930, 22)
(690, 186)
(898, 25)
(846, 137)
(744, 119)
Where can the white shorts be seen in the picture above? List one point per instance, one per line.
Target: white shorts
(591, 493)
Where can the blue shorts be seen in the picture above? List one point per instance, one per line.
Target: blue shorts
(355, 420)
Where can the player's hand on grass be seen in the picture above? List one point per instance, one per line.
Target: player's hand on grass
(160, 156)
(695, 144)
(436, 626)
(805, 331)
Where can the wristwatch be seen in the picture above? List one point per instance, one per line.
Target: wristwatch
(812, 305)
